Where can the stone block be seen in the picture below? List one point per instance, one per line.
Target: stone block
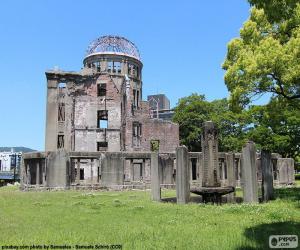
(267, 176)
(182, 175)
(249, 173)
(155, 177)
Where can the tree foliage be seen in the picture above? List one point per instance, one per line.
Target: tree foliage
(274, 126)
(266, 56)
(192, 111)
(276, 10)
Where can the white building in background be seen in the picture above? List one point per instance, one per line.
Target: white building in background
(10, 160)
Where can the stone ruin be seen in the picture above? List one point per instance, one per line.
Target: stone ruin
(101, 135)
(211, 189)
(210, 173)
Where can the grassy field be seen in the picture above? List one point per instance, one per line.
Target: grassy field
(133, 221)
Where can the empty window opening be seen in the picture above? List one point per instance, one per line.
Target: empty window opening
(61, 112)
(109, 66)
(101, 89)
(60, 141)
(82, 174)
(130, 69)
(221, 170)
(102, 119)
(137, 171)
(116, 67)
(62, 85)
(194, 169)
(137, 98)
(275, 177)
(154, 145)
(134, 97)
(136, 134)
(98, 68)
(102, 145)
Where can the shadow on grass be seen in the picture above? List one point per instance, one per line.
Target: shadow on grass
(194, 199)
(291, 193)
(260, 234)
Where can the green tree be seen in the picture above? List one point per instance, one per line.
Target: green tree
(266, 56)
(192, 111)
(276, 127)
(276, 10)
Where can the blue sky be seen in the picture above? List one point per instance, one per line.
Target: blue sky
(182, 44)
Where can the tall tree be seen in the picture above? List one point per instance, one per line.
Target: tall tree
(266, 56)
(193, 110)
(276, 127)
(190, 113)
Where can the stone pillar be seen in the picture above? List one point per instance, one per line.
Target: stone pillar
(267, 176)
(44, 166)
(37, 179)
(57, 169)
(92, 170)
(258, 169)
(78, 171)
(155, 177)
(239, 171)
(249, 176)
(28, 179)
(229, 160)
(182, 175)
(209, 141)
(286, 171)
(199, 169)
(23, 174)
(112, 170)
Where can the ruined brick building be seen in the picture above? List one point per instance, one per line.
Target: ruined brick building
(100, 133)
(100, 108)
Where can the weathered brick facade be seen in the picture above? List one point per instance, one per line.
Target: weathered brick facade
(100, 108)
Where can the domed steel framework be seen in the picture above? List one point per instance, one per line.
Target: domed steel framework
(115, 45)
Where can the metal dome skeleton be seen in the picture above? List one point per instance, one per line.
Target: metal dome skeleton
(113, 45)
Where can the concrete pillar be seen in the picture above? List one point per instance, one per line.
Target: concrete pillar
(249, 176)
(28, 180)
(286, 171)
(230, 163)
(131, 170)
(267, 176)
(44, 169)
(92, 170)
(57, 169)
(78, 171)
(209, 141)
(112, 170)
(155, 177)
(199, 169)
(37, 179)
(51, 116)
(239, 173)
(182, 175)
(23, 174)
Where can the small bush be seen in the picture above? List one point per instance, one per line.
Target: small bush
(297, 176)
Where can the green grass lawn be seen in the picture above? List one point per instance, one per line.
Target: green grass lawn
(129, 218)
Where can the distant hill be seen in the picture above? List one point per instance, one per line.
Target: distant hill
(16, 149)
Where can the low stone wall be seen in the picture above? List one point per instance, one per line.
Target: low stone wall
(132, 170)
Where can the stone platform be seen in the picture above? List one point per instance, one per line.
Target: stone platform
(212, 194)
